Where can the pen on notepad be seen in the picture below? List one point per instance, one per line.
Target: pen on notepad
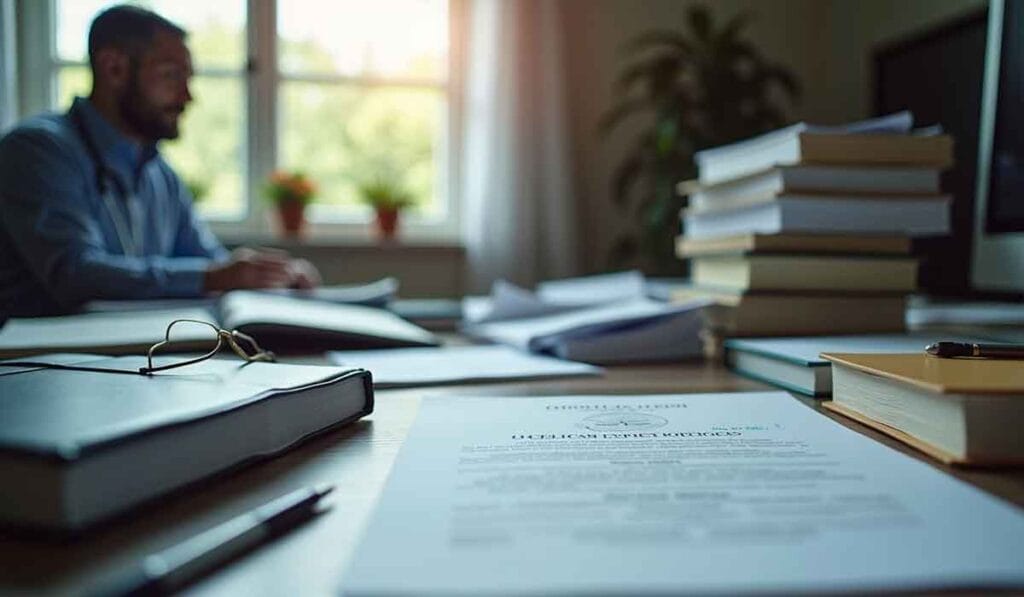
(971, 349)
(166, 571)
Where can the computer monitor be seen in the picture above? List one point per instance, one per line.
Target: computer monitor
(936, 73)
(998, 253)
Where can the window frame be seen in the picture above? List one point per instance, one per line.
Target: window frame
(38, 65)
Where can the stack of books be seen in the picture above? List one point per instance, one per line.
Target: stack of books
(806, 230)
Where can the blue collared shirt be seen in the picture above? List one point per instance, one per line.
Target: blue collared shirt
(63, 243)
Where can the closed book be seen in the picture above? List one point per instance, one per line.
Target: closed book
(277, 322)
(814, 179)
(861, 200)
(785, 215)
(78, 447)
(881, 142)
(739, 313)
(795, 363)
(840, 244)
(960, 411)
(807, 272)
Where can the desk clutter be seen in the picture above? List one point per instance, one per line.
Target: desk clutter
(807, 230)
(800, 249)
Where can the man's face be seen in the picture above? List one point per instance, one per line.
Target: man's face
(157, 90)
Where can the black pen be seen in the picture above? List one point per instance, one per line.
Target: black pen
(969, 349)
(167, 571)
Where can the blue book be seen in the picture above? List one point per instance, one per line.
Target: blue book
(795, 364)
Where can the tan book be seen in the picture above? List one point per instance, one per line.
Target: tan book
(960, 411)
(805, 144)
(935, 151)
(807, 272)
(792, 243)
(737, 313)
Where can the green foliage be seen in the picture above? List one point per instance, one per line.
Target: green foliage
(699, 87)
(385, 193)
(198, 188)
(289, 187)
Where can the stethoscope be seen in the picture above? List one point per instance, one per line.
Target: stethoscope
(129, 230)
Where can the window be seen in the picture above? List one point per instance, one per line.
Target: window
(343, 91)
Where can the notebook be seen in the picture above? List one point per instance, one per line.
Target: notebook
(416, 367)
(795, 364)
(278, 322)
(960, 411)
(79, 447)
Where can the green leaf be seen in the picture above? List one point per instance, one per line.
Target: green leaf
(659, 39)
(700, 22)
(624, 177)
(610, 119)
(735, 25)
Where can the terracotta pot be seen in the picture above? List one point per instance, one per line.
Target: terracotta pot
(293, 217)
(387, 222)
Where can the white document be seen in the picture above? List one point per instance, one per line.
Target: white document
(410, 367)
(724, 493)
(508, 301)
(592, 290)
(617, 332)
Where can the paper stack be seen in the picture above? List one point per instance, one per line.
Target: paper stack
(806, 230)
(606, 319)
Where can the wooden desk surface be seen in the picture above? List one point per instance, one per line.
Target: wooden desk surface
(312, 559)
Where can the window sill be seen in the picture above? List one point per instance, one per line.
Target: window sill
(424, 268)
(347, 244)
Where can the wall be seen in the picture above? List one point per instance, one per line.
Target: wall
(826, 43)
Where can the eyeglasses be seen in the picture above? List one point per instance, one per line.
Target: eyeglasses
(241, 344)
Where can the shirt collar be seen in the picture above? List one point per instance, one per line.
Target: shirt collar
(111, 144)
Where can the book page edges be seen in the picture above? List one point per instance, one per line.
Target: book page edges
(919, 445)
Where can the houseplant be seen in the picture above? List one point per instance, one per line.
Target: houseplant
(290, 192)
(388, 197)
(684, 90)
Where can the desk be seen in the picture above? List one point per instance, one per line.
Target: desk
(312, 559)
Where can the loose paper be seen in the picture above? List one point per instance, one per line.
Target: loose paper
(729, 493)
(409, 367)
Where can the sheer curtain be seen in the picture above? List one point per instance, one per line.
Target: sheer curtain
(518, 204)
(8, 75)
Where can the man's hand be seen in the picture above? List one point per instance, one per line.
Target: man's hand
(304, 274)
(264, 268)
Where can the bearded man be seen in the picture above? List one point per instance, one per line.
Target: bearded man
(88, 207)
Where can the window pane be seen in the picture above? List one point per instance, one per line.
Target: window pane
(342, 135)
(216, 28)
(385, 38)
(210, 155)
(72, 81)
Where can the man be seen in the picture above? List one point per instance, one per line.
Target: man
(89, 209)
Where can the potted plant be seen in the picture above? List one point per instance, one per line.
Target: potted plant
(290, 192)
(388, 198)
(692, 88)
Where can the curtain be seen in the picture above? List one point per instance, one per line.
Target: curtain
(8, 74)
(516, 191)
